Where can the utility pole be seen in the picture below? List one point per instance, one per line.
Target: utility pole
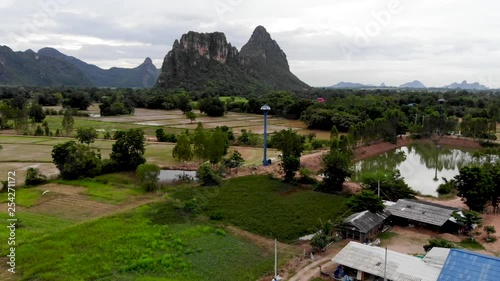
(385, 265)
(276, 259)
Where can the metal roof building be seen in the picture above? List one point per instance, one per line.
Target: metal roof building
(370, 261)
(437, 256)
(467, 266)
(362, 225)
(423, 212)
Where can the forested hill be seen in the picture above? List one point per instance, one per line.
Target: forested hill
(207, 62)
(49, 67)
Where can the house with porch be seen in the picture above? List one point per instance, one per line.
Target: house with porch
(363, 226)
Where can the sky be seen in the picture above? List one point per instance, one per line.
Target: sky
(326, 41)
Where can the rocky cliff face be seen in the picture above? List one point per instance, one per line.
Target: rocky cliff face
(206, 60)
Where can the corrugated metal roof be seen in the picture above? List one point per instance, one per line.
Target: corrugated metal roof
(364, 221)
(465, 266)
(400, 267)
(437, 256)
(420, 211)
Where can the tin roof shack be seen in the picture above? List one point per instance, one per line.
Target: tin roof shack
(430, 215)
(363, 226)
(468, 266)
(369, 263)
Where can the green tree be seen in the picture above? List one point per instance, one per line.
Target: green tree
(68, 122)
(46, 130)
(78, 100)
(392, 185)
(289, 166)
(334, 133)
(76, 161)
(38, 131)
(86, 135)
(319, 241)
(207, 176)
(475, 187)
(148, 176)
(291, 146)
(213, 107)
(469, 219)
(217, 145)
(337, 166)
(36, 112)
(34, 177)
(191, 116)
(288, 142)
(128, 150)
(234, 161)
(21, 122)
(182, 150)
(366, 200)
(199, 142)
(6, 114)
(183, 102)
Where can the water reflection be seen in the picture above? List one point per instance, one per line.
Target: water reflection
(417, 164)
(171, 175)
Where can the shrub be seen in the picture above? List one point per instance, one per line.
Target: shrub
(193, 207)
(438, 242)
(148, 176)
(216, 216)
(306, 176)
(319, 241)
(39, 131)
(316, 144)
(207, 176)
(109, 166)
(34, 177)
(5, 186)
(447, 187)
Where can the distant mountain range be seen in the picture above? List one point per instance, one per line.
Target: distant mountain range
(466, 86)
(49, 67)
(411, 85)
(414, 85)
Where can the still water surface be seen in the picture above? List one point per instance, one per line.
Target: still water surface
(419, 164)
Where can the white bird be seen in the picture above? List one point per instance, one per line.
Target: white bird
(45, 192)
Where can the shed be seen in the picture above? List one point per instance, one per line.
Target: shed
(362, 226)
(368, 263)
(468, 266)
(420, 212)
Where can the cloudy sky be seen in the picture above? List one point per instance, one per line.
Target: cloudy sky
(327, 41)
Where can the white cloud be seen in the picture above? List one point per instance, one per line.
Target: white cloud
(437, 42)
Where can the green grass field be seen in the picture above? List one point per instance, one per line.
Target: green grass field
(266, 206)
(106, 192)
(25, 197)
(132, 247)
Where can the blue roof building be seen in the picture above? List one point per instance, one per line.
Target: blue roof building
(464, 266)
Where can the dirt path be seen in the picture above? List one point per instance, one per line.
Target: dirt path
(70, 203)
(4, 274)
(311, 268)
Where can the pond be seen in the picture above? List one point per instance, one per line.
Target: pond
(171, 175)
(423, 166)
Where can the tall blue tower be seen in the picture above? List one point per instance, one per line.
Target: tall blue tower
(266, 108)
